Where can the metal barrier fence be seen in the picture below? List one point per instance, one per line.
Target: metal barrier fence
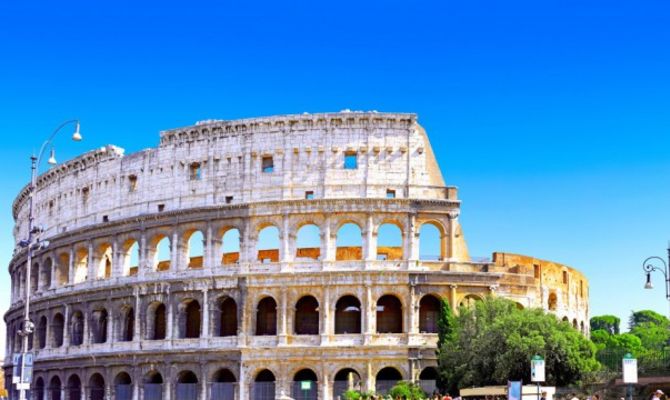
(300, 392)
(222, 391)
(383, 387)
(123, 392)
(187, 391)
(153, 391)
(263, 391)
(650, 364)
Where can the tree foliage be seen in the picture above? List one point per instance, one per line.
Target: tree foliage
(407, 390)
(494, 341)
(609, 323)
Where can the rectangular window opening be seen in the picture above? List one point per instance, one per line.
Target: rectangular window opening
(105, 218)
(132, 183)
(565, 277)
(161, 207)
(268, 164)
(196, 172)
(229, 199)
(536, 271)
(309, 195)
(351, 160)
(390, 194)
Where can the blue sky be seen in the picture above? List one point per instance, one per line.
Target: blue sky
(552, 116)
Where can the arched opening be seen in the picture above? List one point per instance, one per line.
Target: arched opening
(581, 328)
(305, 385)
(428, 380)
(223, 385)
(389, 242)
(131, 258)
(469, 301)
(73, 388)
(105, 265)
(386, 379)
(42, 332)
(230, 246)
(99, 326)
(268, 244)
(565, 319)
(81, 265)
(96, 387)
(346, 379)
(123, 387)
(307, 316)
(430, 242)
(187, 386)
(38, 390)
(574, 323)
(348, 315)
(57, 325)
(308, 243)
(429, 314)
(163, 253)
(196, 250)
(156, 321)
(45, 274)
(55, 388)
(127, 324)
(349, 243)
(77, 328)
(552, 302)
(227, 318)
(189, 319)
(153, 386)
(389, 315)
(264, 386)
(62, 270)
(266, 317)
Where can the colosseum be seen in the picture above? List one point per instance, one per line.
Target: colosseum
(295, 255)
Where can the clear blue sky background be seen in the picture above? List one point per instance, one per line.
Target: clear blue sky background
(551, 116)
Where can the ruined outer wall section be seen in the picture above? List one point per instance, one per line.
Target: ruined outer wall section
(560, 289)
(308, 153)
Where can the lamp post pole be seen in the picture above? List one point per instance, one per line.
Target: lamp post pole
(32, 243)
(655, 263)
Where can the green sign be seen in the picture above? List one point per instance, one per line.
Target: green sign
(305, 385)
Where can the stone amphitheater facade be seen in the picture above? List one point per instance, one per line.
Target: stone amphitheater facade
(254, 312)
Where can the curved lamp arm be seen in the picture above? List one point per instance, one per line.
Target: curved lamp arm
(648, 266)
(46, 142)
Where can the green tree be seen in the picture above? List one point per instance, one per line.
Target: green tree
(652, 328)
(609, 323)
(445, 323)
(494, 341)
(408, 391)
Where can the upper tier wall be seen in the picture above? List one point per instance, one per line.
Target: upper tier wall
(221, 162)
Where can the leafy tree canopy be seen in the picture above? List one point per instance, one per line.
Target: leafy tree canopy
(407, 390)
(494, 341)
(647, 316)
(609, 323)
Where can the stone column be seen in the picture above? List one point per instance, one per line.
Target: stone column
(54, 276)
(326, 330)
(208, 254)
(205, 333)
(117, 258)
(243, 384)
(413, 308)
(412, 235)
(370, 383)
(90, 263)
(325, 385)
(66, 326)
(452, 297)
(451, 245)
(327, 242)
(170, 317)
(143, 262)
(137, 335)
(368, 315)
(70, 267)
(175, 253)
(285, 255)
(110, 325)
(283, 317)
(369, 245)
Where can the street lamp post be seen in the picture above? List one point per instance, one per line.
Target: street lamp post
(33, 242)
(652, 264)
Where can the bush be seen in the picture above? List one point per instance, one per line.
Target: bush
(408, 391)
